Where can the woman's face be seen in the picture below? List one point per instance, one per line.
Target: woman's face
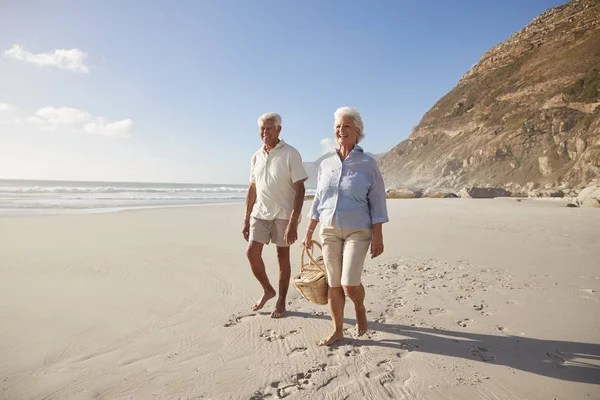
(346, 132)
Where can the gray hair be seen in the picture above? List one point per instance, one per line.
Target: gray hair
(355, 114)
(270, 116)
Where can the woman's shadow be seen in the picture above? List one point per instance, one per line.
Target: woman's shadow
(570, 361)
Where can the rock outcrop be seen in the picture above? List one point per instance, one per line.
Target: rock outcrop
(589, 197)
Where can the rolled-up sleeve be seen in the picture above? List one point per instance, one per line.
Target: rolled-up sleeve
(296, 167)
(376, 195)
(252, 177)
(314, 208)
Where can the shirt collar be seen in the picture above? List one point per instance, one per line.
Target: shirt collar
(277, 146)
(355, 148)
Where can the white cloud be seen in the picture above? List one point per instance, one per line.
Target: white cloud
(100, 126)
(72, 119)
(7, 107)
(63, 59)
(327, 146)
(62, 115)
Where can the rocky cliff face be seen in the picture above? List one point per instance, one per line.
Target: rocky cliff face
(528, 114)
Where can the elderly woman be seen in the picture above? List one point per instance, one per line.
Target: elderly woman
(350, 204)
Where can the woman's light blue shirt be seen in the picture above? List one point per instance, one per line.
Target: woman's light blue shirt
(350, 194)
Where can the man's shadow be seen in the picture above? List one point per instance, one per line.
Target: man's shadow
(569, 361)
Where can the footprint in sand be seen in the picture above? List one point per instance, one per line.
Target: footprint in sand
(401, 302)
(464, 323)
(352, 352)
(236, 320)
(271, 335)
(297, 350)
(405, 348)
(283, 389)
(437, 311)
(381, 319)
(558, 359)
(481, 353)
(383, 373)
(259, 395)
(589, 294)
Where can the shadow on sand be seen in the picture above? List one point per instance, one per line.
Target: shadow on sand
(569, 361)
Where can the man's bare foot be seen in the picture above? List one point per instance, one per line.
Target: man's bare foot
(267, 295)
(279, 309)
(361, 321)
(328, 341)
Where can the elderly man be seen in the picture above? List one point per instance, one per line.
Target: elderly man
(273, 207)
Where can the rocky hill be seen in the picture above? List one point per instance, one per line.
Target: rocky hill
(526, 115)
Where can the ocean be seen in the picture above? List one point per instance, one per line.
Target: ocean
(37, 197)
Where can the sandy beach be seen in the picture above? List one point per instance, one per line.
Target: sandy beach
(472, 299)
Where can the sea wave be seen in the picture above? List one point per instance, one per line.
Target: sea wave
(170, 198)
(113, 189)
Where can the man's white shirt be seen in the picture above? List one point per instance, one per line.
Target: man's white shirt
(274, 174)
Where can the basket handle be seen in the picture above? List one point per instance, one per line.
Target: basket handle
(308, 250)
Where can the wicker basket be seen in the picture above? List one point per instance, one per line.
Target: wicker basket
(311, 282)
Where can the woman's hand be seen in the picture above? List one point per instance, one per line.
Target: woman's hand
(307, 241)
(376, 244)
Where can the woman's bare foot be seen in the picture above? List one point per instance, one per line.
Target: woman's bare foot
(361, 321)
(267, 295)
(328, 341)
(279, 309)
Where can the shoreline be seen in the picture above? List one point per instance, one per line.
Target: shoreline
(308, 198)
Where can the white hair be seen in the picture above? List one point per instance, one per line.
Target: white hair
(270, 116)
(355, 114)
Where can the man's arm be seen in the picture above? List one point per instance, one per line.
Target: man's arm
(291, 233)
(250, 200)
(298, 201)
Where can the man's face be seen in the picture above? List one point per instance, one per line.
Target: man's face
(269, 133)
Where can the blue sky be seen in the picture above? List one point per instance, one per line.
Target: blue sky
(171, 91)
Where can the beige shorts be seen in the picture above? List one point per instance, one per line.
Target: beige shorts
(265, 231)
(344, 252)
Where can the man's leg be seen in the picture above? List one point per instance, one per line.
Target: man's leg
(254, 254)
(285, 270)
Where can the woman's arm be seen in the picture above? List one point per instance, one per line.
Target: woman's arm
(377, 241)
(376, 196)
(377, 208)
(310, 229)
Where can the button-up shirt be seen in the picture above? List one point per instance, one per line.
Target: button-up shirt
(350, 194)
(274, 174)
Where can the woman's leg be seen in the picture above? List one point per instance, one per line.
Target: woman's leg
(332, 256)
(357, 295)
(356, 247)
(336, 300)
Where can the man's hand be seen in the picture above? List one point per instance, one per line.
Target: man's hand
(291, 233)
(246, 230)
(376, 245)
